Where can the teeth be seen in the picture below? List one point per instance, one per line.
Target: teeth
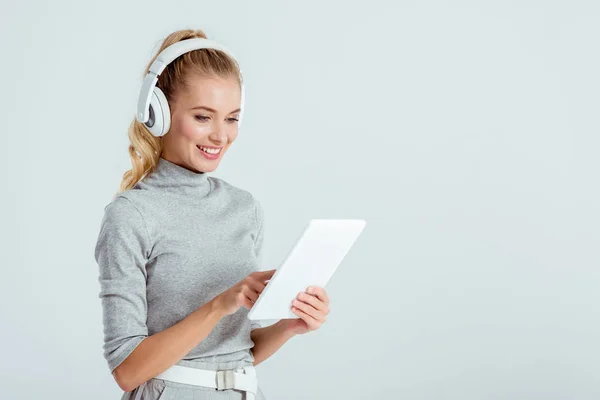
(210, 151)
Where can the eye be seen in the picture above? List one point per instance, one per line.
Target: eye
(202, 117)
(232, 119)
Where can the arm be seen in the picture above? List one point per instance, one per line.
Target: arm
(163, 349)
(133, 356)
(311, 306)
(269, 339)
(158, 352)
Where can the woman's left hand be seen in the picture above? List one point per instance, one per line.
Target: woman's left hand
(312, 307)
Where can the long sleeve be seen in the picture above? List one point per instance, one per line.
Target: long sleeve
(121, 252)
(258, 245)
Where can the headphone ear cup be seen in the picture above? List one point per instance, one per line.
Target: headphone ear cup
(160, 114)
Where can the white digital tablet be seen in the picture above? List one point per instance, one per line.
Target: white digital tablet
(312, 261)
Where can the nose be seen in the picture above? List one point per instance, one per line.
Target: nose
(219, 136)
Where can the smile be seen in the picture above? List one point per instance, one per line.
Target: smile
(210, 150)
(210, 153)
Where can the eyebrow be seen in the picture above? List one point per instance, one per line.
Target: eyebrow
(212, 109)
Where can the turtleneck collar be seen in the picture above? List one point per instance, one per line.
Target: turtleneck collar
(177, 179)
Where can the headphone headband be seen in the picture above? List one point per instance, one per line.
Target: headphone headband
(165, 57)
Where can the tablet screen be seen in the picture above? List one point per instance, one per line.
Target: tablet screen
(312, 261)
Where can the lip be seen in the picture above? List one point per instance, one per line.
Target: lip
(209, 156)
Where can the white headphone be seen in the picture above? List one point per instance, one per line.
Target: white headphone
(152, 107)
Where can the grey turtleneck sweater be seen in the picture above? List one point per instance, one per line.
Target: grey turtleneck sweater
(166, 247)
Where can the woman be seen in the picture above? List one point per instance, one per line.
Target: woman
(179, 251)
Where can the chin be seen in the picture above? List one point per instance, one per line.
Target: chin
(205, 165)
(210, 168)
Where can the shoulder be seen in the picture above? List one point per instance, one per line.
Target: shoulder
(122, 227)
(122, 217)
(123, 209)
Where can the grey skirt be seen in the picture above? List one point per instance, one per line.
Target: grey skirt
(159, 389)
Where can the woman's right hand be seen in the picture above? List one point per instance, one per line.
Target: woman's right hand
(244, 293)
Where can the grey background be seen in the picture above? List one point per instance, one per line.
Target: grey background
(465, 133)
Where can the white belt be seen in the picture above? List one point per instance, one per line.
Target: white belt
(241, 379)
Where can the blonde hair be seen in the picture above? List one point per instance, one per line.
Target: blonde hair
(145, 148)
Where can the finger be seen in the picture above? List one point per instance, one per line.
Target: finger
(309, 310)
(320, 293)
(246, 302)
(310, 321)
(250, 294)
(313, 301)
(255, 284)
(264, 275)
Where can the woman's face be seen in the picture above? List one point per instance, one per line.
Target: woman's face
(204, 114)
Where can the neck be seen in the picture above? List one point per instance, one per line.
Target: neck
(175, 178)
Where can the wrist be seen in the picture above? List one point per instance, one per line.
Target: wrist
(287, 327)
(215, 309)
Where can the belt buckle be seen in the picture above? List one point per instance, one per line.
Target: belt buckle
(225, 379)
